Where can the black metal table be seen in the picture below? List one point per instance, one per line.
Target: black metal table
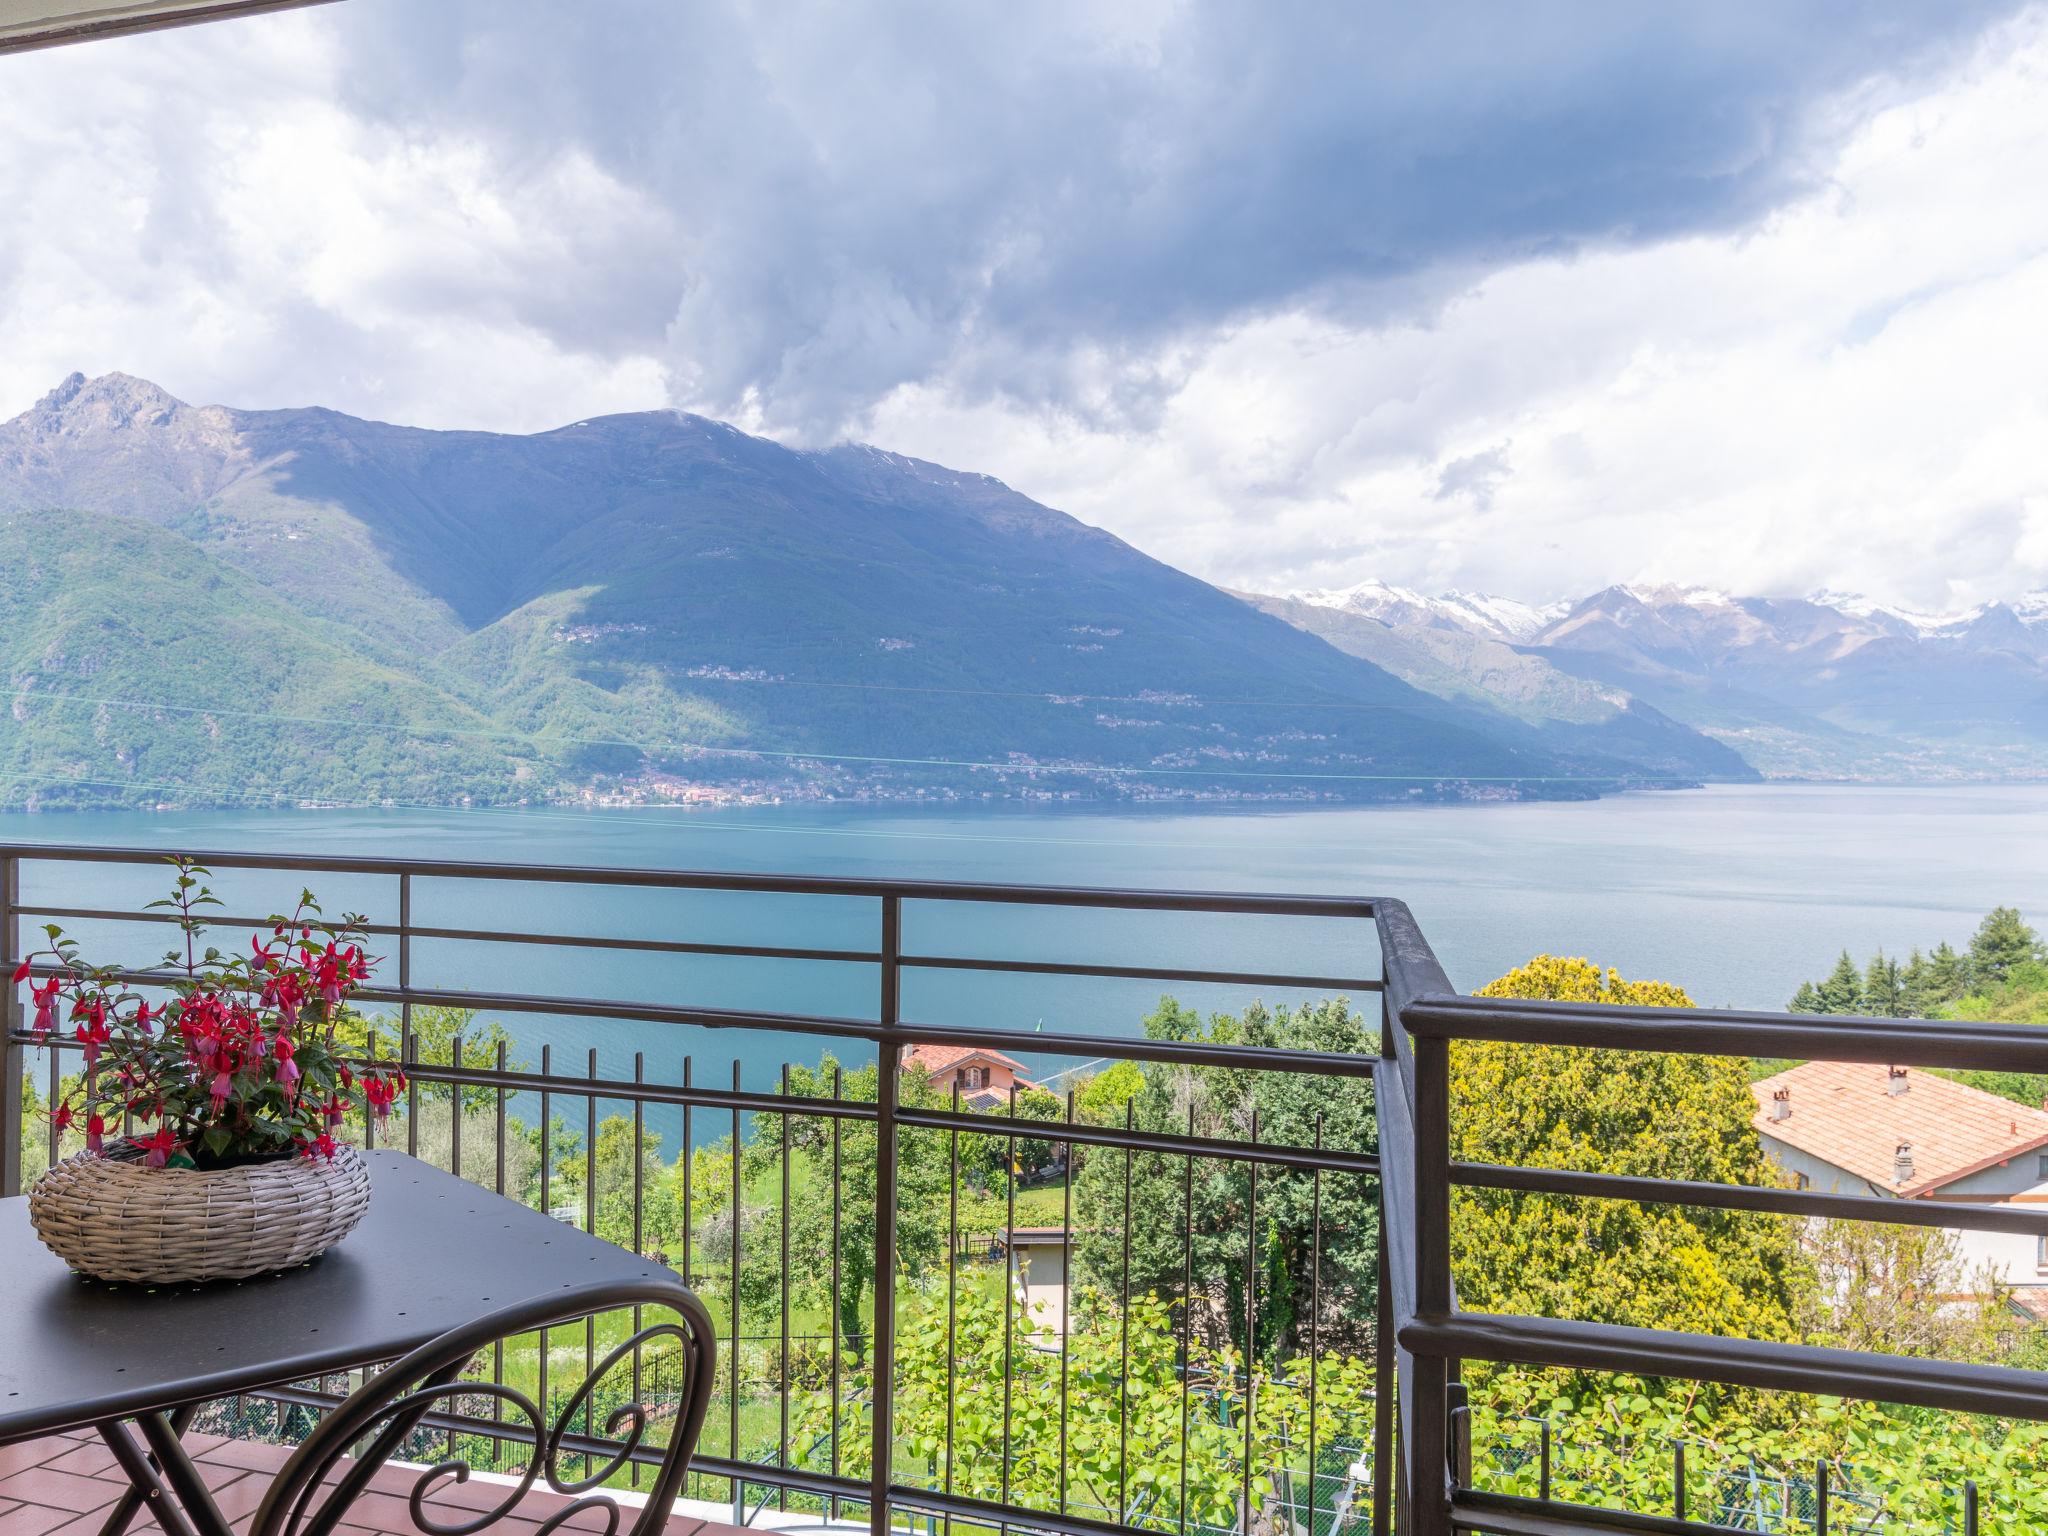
(432, 1253)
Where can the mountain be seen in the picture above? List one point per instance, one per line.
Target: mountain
(1447, 651)
(1475, 613)
(301, 605)
(1833, 685)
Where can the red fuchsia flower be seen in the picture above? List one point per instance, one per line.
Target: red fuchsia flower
(158, 1148)
(287, 1069)
(323, 1146)
(62, 1116)
(223, 1087)
(95, 1133)
(46, 1004)
(142, 1016)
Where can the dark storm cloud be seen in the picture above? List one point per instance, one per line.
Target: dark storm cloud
(847, 198)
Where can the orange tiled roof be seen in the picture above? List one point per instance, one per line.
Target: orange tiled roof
(943, 1058)
(1842, 1114)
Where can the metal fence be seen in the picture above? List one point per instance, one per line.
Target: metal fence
(1239, 1446)
(836, 1413)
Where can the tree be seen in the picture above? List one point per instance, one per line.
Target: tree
(1805, 1000)
(1948, 974)
(1149, 1223)
(1884, 989)
(2002, 941)
(1842, 992)
(1916, 987)
(831, 1198)
(1649, 1114)
(1895, 1289)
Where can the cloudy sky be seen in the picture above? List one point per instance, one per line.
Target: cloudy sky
(1525, 297)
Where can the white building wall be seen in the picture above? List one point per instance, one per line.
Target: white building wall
(2014, 1257)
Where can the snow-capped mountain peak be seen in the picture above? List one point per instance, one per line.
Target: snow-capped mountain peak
(1479, 613)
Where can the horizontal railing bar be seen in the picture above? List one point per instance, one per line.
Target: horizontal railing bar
(1239, 902)
(1733, 1032)
(1140, 973)
(1193, 1053)
(1772, 1366)
(1750, 1197)
(1507, 1514)
(486, 936)
(1162, 1143)
(757, 951)
(1255, 1058)
(1007, 1517)
(646, 1093)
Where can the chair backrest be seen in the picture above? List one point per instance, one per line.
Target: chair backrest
(428, 1392)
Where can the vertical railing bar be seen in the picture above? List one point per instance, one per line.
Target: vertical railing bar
(589, 1226)
(838, 1092)
(498, 1345)
(782, 1450)
(1677, 1478)
(407, 1046)
(1011, 1279)
(733, 1286)
(888, 1064)
(455, 1107)
(639, 1220)
(952, 1290)
(1066, 1293)
(1430, 1454)
(1383, 1407)
(1820, 1499)
(1315, 1313)
(56, 1093)
(13, 1060)
(1969, 1507)
(1123, 1380)
(1543, 1470)
(1187, 1307)
(689, 1205)
(1251, 1314)
(547, 1205)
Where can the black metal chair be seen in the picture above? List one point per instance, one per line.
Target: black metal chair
(429, 1392)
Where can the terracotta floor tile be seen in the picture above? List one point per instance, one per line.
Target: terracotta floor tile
(58, 1490)
(32, 1520)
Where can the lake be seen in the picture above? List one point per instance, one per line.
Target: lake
(1736, 893)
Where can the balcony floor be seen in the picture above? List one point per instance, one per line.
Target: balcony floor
(66, 1482)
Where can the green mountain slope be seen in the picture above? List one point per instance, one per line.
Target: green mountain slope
(140, 671)
(656, 597)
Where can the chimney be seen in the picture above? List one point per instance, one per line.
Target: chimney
(1781, 1104)
(1895, 1081)
(1902, 1164)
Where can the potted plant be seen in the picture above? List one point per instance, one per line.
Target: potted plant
(210, 1114)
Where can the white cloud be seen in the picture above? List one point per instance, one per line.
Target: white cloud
(1851, 393)
(1188, 279)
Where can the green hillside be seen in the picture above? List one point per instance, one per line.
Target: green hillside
(638, 604)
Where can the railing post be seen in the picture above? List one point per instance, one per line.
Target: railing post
(882, 1347)
(1430, 1456)
(13, 1111)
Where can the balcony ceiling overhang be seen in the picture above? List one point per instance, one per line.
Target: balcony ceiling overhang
(26, 24)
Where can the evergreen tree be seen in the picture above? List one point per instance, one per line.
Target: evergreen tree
(1805, 1000)
(2002, 941)
(1948, 975)
(1884, 991)
(1916, 987)
(1842, 992)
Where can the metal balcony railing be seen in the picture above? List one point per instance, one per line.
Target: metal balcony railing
(988, 1414)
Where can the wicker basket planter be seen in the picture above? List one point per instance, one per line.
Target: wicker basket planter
(116, 1218)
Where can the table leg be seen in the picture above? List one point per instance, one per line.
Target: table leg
(145, 1489)
(182, 1477)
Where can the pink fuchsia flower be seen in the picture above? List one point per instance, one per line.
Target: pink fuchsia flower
(158, 1148)
(223, 1086)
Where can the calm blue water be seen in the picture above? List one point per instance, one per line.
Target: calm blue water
(1735, 893)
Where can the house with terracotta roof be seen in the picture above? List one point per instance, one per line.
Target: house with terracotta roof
(983, 1076)
(1855, 1128)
